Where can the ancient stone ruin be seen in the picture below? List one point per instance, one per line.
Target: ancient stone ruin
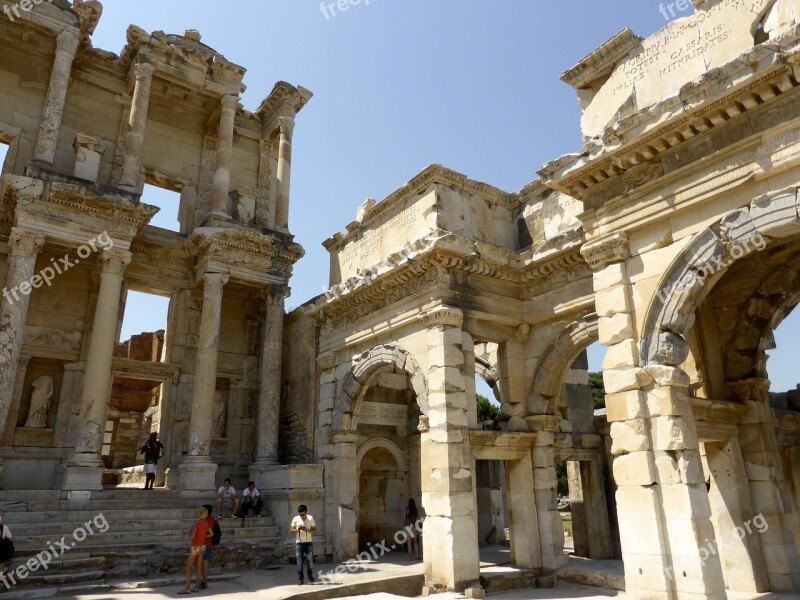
(672, 238)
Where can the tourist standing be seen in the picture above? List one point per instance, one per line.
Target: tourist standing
(200, 532)
(209, 548)
(410, 518)
(152, 450)
(304, 526)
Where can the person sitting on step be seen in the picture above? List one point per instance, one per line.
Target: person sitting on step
(251, 498)
(227, 502)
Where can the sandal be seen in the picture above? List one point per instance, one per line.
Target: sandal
(195, 590)
(184, 592)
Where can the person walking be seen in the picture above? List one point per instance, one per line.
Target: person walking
(209, 548)
(410, 517)
(152, 450)
(200, 532)
(304, 526)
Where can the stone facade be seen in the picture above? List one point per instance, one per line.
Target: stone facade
(671, 238)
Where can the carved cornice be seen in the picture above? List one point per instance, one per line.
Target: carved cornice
(156, 371)
(602, 61)
(443, 316)
(581, 174)
(608, 250)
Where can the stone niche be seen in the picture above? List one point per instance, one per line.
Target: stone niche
(41, 437)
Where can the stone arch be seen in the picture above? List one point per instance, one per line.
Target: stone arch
(388, 445)
(366, 364)
(557, 360)
(779, 293)
(708, 255)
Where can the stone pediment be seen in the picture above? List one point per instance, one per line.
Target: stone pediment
(646, 72)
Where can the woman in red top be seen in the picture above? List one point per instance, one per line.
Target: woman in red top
(200, 532)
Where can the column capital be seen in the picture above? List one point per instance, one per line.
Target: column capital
(607, 250)
(143, 71)
(286, 126)
(214, 282)
(443, 316)
(24, 243)
(229, 102)
(67, 41)
(274, 295)
(113, 261)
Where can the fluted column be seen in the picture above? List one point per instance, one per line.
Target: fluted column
(197, 470)
(134, 140)
(56, 98)
(25, 247)
(284, 173)
(85, 467)
(222, 175)
(269, 397)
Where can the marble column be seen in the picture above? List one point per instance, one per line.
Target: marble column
(448, 494)
(524, 524)
(134, 140)
(25, 247)
(56, 98)
(284, 173)
(85, 466)
(222, 174)
(269, 394)
(197, 471)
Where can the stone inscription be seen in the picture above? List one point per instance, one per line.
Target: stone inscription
(372, 242)
(376, 413)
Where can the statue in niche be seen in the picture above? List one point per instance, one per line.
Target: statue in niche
(40, 402)
(218, 419)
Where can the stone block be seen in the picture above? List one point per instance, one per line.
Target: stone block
(665, 401)
(613, 300)
(610, 276)
(634, 469)
(756, 412)
(629, 436)
(613, 330)
(622, 355)
(668, 376)
(624, 406)
(760, 466)
(775, 213)
(685, 501)
(639, 534)
(623, 380)
(674, 433)
(393, 381)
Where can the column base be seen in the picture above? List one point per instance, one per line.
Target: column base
(197, 474)
(83, 473)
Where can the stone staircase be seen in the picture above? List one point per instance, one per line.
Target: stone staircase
(146, 536)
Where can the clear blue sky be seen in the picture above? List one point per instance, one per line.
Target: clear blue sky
(400, 84)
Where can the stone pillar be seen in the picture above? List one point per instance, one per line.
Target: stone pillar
(222, 174)
(525, 550)
(545, 484)
(762, 463)
(742, 558)
(269, 393)
(590, 525)
(134, 140)
(85, 467)
(451, 529)
(56, 98)
(662, 503)
(25, 247)
(284, 173)
(197, 470)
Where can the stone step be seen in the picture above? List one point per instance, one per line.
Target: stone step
(134, 522)
(98, 505)
(64, 578)
(111, 537)
(108, 494)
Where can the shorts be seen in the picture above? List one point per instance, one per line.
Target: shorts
(149, 468)
(207, 553)
(197, 550)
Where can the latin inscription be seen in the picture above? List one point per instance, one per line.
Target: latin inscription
(375, 413)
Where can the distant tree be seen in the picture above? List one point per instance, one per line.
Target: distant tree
(561, 473)
(598, 390)
(488, 411)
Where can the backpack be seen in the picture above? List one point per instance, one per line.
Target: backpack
(217, 535)
(6, 547)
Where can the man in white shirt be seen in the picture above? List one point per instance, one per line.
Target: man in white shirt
(227, 500)
(304, 526)
(250, 499)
